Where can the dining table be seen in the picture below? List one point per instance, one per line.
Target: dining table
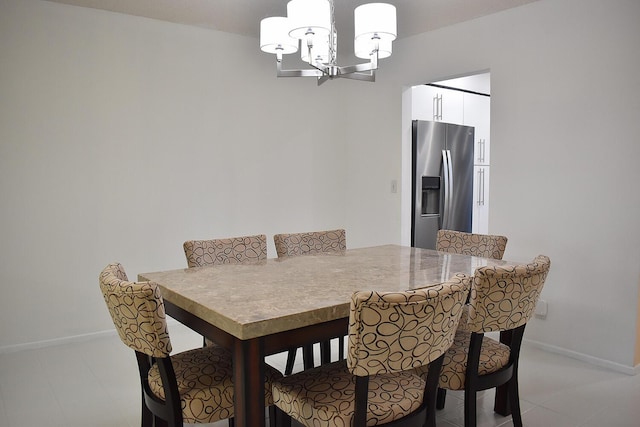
(270, 306)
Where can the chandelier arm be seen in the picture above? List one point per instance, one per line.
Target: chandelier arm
(372, 65)
(323, 79)
(366, 77)
(296, 73)
(358, 68)
(320, 67)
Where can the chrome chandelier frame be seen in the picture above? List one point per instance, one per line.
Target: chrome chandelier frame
(364, 71)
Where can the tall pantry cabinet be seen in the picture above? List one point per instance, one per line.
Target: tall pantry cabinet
(470, 109)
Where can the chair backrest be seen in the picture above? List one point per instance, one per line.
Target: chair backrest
(395, 331)
(137, 311)
(233, 250)
(458, 242)
(505, 297)
(310, 243)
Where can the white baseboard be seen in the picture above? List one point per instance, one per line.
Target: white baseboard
(54, 342)
(629, 370)
(65, 340)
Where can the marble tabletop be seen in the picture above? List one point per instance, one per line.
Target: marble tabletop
(253, 300)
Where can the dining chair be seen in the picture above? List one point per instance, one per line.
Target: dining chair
(502, 298)
(482, 245)
(311, 243)
(195, 386)
(389, 334)
(232, 250)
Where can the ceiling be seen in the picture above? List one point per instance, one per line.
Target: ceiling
(243, 16)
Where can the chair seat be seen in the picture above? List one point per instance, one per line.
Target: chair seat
(493, 356)
(204, 381)
(324, 396)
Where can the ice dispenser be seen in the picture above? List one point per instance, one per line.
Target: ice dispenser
(430, 195)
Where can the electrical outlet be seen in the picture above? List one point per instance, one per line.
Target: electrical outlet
(541, 309)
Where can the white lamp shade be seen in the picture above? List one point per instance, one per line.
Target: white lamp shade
(319, 51)
(274, 36)
(375, 18)
(305, 15)
(363, 47)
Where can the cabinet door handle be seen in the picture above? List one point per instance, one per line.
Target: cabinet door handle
(482, 170)
(479, 187)
(437, 108)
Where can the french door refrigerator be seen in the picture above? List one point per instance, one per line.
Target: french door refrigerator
(442, 165)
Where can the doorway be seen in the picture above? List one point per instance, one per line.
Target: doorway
(462, 100)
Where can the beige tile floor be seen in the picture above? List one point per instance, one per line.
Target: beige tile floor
(94, 383)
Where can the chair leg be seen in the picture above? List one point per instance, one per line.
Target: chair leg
(146, 418)
(514, 400)
(441, 398)
(469, 408)
(273, 416)
(159, 422)
(502, 403)
(325, 352)
(146, 415)
(341, 348)
(291, 358)
(307, 356)
(283, 419)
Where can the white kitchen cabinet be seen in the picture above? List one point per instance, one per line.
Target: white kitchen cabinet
(437, 104)
(477, 113)
(480, 223)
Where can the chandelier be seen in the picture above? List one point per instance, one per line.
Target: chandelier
(311, 24)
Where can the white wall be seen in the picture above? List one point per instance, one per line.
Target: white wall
(121, 137)
(564, 108)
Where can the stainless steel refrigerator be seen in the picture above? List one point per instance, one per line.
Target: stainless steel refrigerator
(442, 180)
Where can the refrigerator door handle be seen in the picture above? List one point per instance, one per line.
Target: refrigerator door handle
(448, 188)
(445, 173)
(451, 187)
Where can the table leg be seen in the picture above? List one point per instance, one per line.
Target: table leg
(248, 380)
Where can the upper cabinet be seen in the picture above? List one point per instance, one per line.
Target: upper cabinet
(437, 104)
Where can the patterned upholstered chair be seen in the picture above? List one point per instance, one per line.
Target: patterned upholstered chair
(483, 245)
(389, 334)
(192, 387)
(234, 250)
(501, 299)
(311, 243)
